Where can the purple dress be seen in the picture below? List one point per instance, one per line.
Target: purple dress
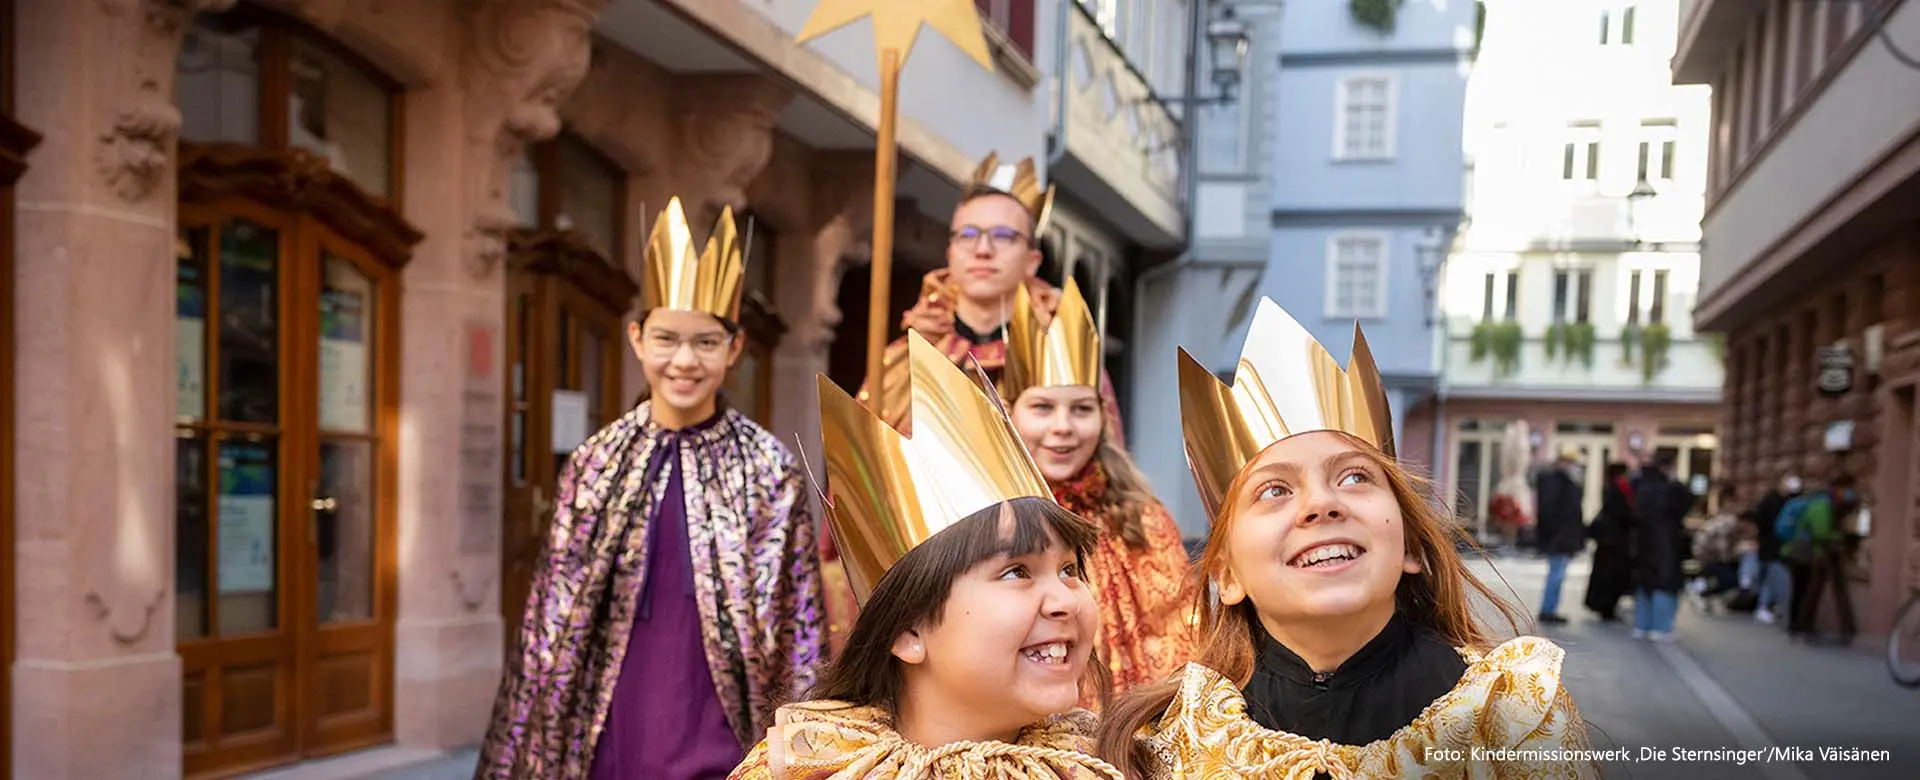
(666, 721)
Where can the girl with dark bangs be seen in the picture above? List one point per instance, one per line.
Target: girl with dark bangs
(976, 630)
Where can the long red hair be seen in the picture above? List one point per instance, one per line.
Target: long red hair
(1439, 599)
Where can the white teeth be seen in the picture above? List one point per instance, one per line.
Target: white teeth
(1050, 653)
(1325, 553)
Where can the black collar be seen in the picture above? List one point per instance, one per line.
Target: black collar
(962, 330)
(1375, 656)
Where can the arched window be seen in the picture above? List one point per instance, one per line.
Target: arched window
(286, 338)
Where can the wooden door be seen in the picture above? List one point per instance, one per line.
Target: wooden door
(286, 334)
(564, 342)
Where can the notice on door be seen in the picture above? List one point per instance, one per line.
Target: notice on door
(344, 370)
(246, 519)
(569, 420)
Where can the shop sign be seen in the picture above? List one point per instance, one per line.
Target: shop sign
(1835, 374)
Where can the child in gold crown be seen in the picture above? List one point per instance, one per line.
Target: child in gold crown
(1337, 638)
(967, 659)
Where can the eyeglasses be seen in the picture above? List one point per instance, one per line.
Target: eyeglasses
(661, 344)
(997, 237)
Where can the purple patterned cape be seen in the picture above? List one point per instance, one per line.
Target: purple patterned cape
(756, 583)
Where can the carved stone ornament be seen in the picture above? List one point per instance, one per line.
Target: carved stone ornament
(299, 181)
(132, 151)
(727, 128)
(16, 140)
(524, 57)
(565, 254)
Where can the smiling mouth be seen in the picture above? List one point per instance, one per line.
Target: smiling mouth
(1325, 555)
(1061, 451)
(1047, 653)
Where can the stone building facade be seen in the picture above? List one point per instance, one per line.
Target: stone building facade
(1811, 263)
(395, 246)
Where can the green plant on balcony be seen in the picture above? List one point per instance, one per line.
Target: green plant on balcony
(1579, 342)
(1377, 15)
(1498, 340)
(1555, 337)
(1629, 338)
(1717, 344)
(1655, 339)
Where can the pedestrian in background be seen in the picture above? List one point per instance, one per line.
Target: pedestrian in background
(1561, 533)
(1612, 535)
(1658, 545)
(1810, 542)
(1773, 582)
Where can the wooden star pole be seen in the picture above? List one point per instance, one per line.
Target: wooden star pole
(896, 23)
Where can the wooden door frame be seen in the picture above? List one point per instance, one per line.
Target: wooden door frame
(317, 238)
(296, 193)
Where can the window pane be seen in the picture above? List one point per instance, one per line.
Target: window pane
(247, 570)
(190, 327)
(1566, 164)
(191, 611)
(1560, 283)
(218, 85)
(591, 194)
(249, 322)
(346, 348)
(523, 190)
(344, 519)
(758, 276)
(336, 111)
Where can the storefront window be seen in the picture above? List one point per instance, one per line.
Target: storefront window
(337, 111)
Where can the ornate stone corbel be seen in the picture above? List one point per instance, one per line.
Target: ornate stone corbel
(842, 202)
(524, 57)
(726, 133)
(133, 149)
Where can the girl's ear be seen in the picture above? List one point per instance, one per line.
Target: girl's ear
(908, 648)
(1412, 564)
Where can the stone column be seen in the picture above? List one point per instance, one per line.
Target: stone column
(840, 220)
(97, 681)
(520, 59)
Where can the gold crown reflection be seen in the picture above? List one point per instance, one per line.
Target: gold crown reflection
(1065, 352)
(1285, 384)
(887, 492)
(1020, 181)
(678, 278)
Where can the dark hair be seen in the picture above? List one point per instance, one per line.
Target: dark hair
(975, 192)
(1615, 470)
(733, 328)
(914, 593)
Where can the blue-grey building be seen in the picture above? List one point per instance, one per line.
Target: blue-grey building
(1333, 185)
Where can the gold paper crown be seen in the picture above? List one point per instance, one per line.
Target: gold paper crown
(677, 278)
(1066, 352)
(1285, 384)
(1019, 181)
(887, 492)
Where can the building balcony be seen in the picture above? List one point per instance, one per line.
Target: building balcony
(1709, 30)
(1691, 371)
(1122, 143)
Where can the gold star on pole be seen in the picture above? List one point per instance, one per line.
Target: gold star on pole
(897, 22)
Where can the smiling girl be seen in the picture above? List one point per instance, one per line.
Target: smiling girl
(1138, 563)
(1339, 639)
(977, 625)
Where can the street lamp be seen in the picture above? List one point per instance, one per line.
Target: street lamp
(1227, 50)
(1431, 252)
(1642, 192)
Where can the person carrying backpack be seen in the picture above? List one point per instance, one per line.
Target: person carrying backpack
(1808, 527)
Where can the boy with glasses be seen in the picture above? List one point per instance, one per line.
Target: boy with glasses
(678, 600)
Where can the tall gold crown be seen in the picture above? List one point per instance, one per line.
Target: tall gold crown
(1065, 352)
(888, 492)
(1020, 181)
(678, 278)
(1285, 384)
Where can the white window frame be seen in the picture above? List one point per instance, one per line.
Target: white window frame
(1585, 141)
(1618, 22)
(1342, 89)
(1382, 262)
(1655, 134)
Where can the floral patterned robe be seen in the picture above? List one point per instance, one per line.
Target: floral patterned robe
(757, 586)
(830, 740)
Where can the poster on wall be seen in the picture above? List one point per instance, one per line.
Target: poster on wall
(246, 519)
(189, 345)
(344, 368)
(570, 420)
